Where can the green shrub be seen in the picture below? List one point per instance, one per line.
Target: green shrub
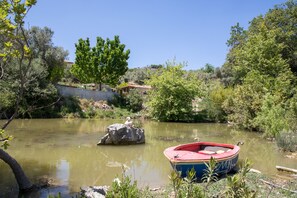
(213, 103)
(123, 188)
(236, 186)
(186, 187)
(134, 100)
(287, 141)
(272, 117)
(210, 174)
(70, 105)
(172, 94)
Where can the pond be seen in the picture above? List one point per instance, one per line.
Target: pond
(66, 151)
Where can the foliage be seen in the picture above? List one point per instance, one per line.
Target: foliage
(171, 96)
(139, 75)
(185, 187)
(208, 68)
(31, 76)
(7, 98)
(51, 57)
(134, 100)
(176, 180)
(237, 36)
(59, 195)
(271, 118)
(213, 101)
(210, 174)
(287, 141)
(269, 45)
(104, 63)
(246, 100)
(14, 47)
(4, 139)
(123, 188)
(236, 185)
(70, 105)
(261, 65)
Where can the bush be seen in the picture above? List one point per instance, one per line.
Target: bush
(172, 94)
(287, 141)
(70, 105)
(272, 117)
(134, 100)
(236, 186)
(213, 103)
(186, 187)
(123, 188)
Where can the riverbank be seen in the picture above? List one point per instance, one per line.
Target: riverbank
(254, 183)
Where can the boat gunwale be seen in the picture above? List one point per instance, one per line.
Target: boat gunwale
(219, 157)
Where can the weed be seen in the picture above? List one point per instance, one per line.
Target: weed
(123, 188)
(210, 174)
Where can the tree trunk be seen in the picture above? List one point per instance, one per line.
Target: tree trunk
(100, 86)
(22, 180)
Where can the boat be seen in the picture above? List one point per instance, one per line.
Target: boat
(196, 155)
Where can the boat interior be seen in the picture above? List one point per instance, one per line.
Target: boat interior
(205, 149)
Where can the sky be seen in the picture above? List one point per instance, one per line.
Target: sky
(193, 32)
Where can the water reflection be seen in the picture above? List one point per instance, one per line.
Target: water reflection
(66, 151)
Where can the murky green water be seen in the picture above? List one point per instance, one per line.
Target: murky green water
(66, 151)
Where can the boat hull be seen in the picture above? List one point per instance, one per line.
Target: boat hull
(222, 167)
(198, 154)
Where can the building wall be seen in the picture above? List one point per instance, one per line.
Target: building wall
(86, 94)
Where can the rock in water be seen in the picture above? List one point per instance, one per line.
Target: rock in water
(122, 134)
(94, 191)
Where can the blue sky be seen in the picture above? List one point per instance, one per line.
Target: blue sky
(191, 31)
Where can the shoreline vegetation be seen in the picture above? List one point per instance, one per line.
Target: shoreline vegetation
(246, 182)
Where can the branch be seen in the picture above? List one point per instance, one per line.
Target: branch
(2, 71)
(278, 186)
(33, 109)
(4, 139)
(282, 168)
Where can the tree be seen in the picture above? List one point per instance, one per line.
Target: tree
(14, 45)
(261, 63)
(46, 67)
(277, 30)
(172, 94)
(208, 68)
(104, 63)
(23, 70)
(51, 57)
(213, 101)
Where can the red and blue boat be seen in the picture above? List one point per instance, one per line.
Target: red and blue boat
(196, 155)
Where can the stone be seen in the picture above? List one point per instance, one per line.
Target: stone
(94, 191)
(122, 134)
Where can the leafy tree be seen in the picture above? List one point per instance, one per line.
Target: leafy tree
(246, 100)
(238, 36)
(104, 63)
(260, 63)
(141, 74)
(46, 66)
(277, 30)
(27, 59)
(172, 94)
(213, 101)
(51, 57)
(282, 19)
(208, 68)
(14, 45)
(271, 119)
